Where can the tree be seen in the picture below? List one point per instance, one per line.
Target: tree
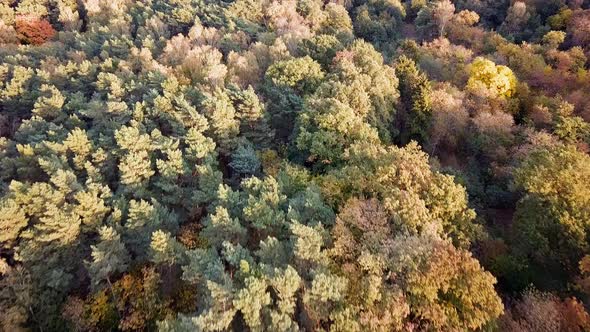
(165, 249)
(337, 22)
(415, 92)
(321, 48)
(12, 221)
(554, 38)
(328, 128)
(539, 311)
(15, 296)
(578, 26)
(416, 196)
(551, 217)
(248, 165)
(109, 257)
(300, 74)
(138, 304)
(254, 119)
(498, 80)
(444, 269)
(221, 114)
(449, 121)
(362, 81)
(287, 82)
(202, 65)
(572, 129)
(428, 272)
(245, 160)
(7, 34)
(378, 21)
(7, 14)
(433, 18)
(520, 21)
(35, 32)
(492, 12)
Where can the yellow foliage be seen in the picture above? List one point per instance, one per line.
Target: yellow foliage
(499, 81)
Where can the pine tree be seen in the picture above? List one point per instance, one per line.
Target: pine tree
(49, 104)
(109, 257)
(245, 160)
(222, 118)
(415, 92)
(254, 121)
(165, 249)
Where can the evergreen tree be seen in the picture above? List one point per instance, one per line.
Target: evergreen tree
(109, 257)
(245, 160)
(415, 95)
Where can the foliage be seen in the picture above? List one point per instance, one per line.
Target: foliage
(294, 165)
(415, 95)
(551, 217)
(34, 32)
(498, 80)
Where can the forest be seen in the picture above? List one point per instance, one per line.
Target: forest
(295, 165)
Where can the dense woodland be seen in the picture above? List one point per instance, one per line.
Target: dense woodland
(294, 165)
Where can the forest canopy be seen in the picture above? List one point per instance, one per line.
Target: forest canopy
(294, 165)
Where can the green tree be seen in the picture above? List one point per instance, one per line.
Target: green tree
(300, 74)
(432, 19)
(417, 196)
(378, 21)
(432, 277)
(551, 218)
(415, 90)
(287, 82)
(109, 257)
(321, 48)
(328, 128)
(245, 160)
(165, 249)
(254, 120)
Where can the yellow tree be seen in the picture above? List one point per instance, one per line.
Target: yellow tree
(499, 81)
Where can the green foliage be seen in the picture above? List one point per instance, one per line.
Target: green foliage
(378, 21)
(287, 82)
(300, 74)
(328, 128)
(415, 92)
(416, 196)
(572, 129)
(321, 48)
(365, 242)
(224, 166)
(109, 257)
(165, 249)
(550, 219)
(245, 160)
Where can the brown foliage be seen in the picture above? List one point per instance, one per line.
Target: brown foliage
(34, 31)
(579, 28)
(134, 303)
(189, 235)
(538, 311)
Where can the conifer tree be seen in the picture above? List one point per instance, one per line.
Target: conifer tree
(415, 95)
(245, 160)
(109, 257)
